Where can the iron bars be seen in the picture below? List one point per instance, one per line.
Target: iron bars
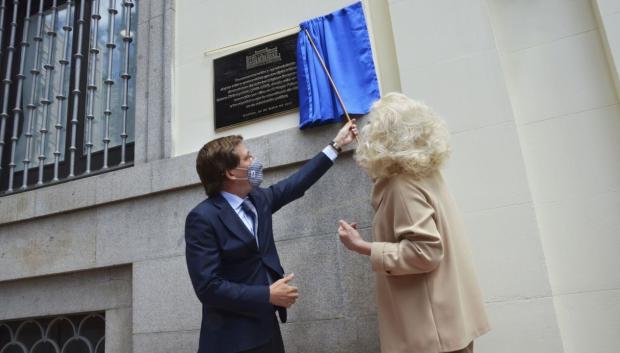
(67, 90)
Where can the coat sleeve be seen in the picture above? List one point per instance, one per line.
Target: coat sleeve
(419, 248)
(204, 265)
(294, 186)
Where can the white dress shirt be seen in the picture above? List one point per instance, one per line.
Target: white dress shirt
(235, 202)
(330, 152)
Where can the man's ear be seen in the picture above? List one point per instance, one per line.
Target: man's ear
(229, 175)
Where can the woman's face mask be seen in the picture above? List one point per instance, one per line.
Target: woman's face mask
(255, 173)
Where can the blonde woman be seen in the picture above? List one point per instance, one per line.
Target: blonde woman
(427, 291)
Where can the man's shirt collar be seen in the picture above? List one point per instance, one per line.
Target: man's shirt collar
(232, 199)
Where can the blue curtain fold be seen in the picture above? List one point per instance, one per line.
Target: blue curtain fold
(342, 40)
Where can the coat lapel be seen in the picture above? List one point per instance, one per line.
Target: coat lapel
(231, 220)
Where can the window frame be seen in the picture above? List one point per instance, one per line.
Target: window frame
(96, 167)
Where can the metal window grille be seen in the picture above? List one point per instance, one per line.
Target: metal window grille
(62, 334)
(67, 89)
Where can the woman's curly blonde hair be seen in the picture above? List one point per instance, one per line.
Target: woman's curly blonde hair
(403, 136)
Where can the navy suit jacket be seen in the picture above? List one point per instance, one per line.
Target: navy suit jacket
(229, 271)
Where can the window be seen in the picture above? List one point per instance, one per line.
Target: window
(67, 334)
(67, 91)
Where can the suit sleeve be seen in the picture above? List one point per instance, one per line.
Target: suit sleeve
(419, 248)
(204, 263)
(294, 186)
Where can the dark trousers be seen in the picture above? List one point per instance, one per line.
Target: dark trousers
(275, 345)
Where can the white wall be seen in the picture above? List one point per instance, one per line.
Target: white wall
(206, 30)
(561, 86)
(608, 15)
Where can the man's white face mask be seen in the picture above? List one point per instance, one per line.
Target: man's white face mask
(255, 173)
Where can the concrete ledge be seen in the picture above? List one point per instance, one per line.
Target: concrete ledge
(84, 291)
(275, 150)
(50, 245)
(159, 233)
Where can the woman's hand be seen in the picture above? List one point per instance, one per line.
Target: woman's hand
(352, 239)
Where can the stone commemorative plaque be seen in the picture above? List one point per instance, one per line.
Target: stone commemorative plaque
(256, 82)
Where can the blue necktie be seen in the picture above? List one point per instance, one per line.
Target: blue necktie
(250, 210)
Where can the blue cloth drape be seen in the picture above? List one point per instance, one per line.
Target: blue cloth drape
(342, 40)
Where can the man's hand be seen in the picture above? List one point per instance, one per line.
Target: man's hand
(282, 294)
(352, 239)
(347, 134)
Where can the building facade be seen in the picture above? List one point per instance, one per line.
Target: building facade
(91, 225)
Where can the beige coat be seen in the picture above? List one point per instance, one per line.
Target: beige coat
(428, 296)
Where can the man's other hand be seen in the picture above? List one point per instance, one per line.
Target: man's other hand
(282, 294)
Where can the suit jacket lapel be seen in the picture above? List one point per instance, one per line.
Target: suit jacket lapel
(231, 220)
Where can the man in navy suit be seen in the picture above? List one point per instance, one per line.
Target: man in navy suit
(231, 255)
